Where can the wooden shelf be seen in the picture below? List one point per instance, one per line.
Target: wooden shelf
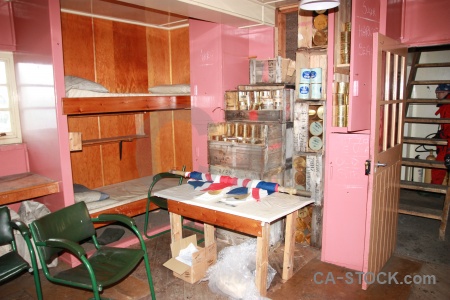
(24, 186)
(101, 105)
(125, 138)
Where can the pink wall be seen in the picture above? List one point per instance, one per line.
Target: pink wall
(426, 22)
(40, 83)
(13, 159)
(261, 42)
(218, 62)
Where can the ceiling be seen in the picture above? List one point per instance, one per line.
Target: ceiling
(169, 14)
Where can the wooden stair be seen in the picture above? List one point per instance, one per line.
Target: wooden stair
(409, 208)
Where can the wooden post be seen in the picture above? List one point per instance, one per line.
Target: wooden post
(289, 246)
(262, 259)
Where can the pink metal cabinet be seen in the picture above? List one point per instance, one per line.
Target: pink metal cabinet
(218, 62)
(347, 148)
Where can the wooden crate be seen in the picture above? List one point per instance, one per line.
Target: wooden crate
(275, 70)
(309, 59)
(309, 126)
(306, 173)
(262, 103)
(307, 31)
(276, 175)
(231, 144)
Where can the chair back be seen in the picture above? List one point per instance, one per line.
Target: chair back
(72, 223)
(160, 202)
(6, 233)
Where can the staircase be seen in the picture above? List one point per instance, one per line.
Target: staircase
(422, 117)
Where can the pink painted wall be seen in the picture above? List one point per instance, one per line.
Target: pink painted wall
(426, 22)
(261, 42)
(40, 83)
(13, 159)
(218, 62)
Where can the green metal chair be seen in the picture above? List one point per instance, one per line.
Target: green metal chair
(65, 229)
(11, 263)
(162, 203)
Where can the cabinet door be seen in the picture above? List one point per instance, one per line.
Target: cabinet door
(7, 37)
(365, 21)
(345, 206)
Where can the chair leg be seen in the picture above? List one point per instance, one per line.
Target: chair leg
(146, 224)
(149, 277)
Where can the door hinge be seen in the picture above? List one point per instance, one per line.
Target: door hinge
(367, 167)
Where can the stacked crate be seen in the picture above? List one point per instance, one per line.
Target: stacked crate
(256, 141)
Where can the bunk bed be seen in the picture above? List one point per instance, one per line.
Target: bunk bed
(128, 197)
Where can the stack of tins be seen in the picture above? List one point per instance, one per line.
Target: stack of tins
(320, 23)
(340, 104)
(345, 43)
(303, 225)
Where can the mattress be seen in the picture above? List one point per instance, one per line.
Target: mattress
(126, 192)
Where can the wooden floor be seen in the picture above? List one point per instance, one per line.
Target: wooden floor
(301, 286)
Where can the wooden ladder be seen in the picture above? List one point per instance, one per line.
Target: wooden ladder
(407, 208)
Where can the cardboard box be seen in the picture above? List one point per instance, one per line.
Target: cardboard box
(201, 260)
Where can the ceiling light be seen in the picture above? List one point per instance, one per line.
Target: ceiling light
(318, 4)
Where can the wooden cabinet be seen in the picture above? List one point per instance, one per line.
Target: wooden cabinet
(7, 34)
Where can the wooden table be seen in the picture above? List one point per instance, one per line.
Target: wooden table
(253, 218)
(24, 186)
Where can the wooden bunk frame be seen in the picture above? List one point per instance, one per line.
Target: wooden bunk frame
(79, 107)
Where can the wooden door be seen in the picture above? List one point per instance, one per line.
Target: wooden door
(387, 113)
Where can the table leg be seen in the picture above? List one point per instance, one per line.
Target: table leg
(262, 259)
(209, 234)
(289, 246)
(176, 231)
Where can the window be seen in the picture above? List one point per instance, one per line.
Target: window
(9, 110)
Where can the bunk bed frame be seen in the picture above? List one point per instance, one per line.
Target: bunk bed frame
(78, 107)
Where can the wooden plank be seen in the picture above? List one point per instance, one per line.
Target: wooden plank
(209, 234)
(427, 120)
(183, 139)
(104, 53)
(289, 246)
(429, 82)
(99, 105)
(144, 150)
(75, 141)
(240, 224)
(78, 49)
(425, 212)
(423, 163)
(118, 165)
(23, 186)
(262, 259)
(131, 209)
(130, 58)
(161, 126)
(116, 139)
(87, 167)
(176, 230)
(158, 56)
(179, 55)
(427, 187)
(424, 141)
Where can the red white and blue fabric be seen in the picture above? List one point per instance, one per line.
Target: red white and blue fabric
(239, 186)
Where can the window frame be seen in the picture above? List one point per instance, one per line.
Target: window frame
(15, 136)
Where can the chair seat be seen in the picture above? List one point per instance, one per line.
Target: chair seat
(110, 266)
(12, 264)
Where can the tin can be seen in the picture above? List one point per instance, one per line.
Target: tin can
(342, 88)
(315, 143)
(303, 91)
(316, 91)
(305, 75)
(316, 75)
